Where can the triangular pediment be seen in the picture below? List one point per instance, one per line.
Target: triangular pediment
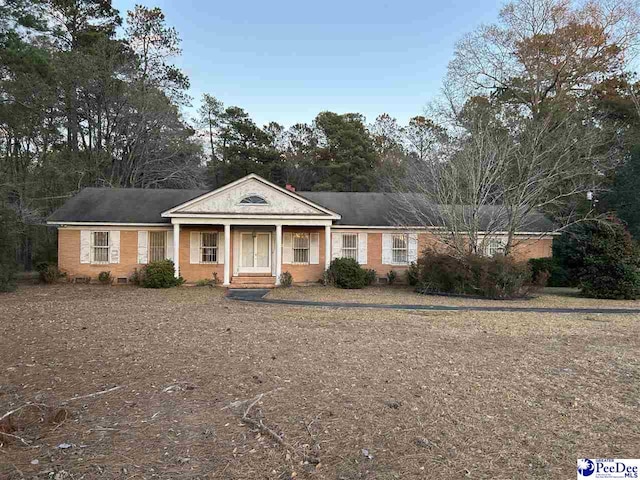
(251, 195)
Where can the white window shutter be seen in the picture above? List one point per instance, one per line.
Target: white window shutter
(287, 248)
(114, 246)
(143, 248)
(220, 252)
(195, 247)
(387, 248)
(169, 252)
(412, 248)
(336, 245)
(362, 248)
(314, 248)
(85, 246)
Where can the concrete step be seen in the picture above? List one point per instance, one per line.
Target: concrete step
(259, 286)
(253, 280)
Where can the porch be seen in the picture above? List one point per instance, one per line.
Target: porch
(243, 254)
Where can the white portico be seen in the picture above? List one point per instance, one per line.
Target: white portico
(258, 223)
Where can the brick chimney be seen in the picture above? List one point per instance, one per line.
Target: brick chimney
(290, 187)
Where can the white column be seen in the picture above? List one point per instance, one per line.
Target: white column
(278, 253)
(176, 249)
(227, 255)
(327, 246)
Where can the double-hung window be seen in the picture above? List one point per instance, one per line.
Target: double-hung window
(494, 247)
(350, 245)
(300, 248)
(100, 247)
(399, 250)
(209, 247)
(157, 246)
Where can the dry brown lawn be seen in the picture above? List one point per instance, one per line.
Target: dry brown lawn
(405, 295)
(426, 394)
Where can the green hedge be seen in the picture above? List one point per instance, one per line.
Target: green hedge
(159, 274)
(347, 273)
(492, 277)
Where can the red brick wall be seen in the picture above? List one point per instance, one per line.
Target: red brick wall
(69, 254)
(194, 272)
(306, 273)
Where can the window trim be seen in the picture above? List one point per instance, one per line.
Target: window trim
(306, 235)
(355, 249)
(394, 249)
(149, 247)
(102, 247)
(202, 248)
(488, 244)
(253, 204)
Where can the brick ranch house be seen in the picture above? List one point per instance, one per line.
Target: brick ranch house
(246, 232)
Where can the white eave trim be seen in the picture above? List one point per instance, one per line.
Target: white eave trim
(274, 216)
(431, 228)
(252, 176)
(110, 224)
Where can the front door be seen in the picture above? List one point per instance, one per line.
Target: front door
(255, 252)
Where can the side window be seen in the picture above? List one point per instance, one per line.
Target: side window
(209, 247)
(494, 247)
(399, 249)
(100, 247)
(157, 246)
(350, 245)
(300, 248)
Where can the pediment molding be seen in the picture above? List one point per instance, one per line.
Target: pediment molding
(240, 198)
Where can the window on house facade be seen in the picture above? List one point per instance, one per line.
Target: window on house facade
(494, 247)
(399, 249)
(100, 247)
(157, 246)
(350, 245)
(209, 247)
(253, 200)
(300, 248)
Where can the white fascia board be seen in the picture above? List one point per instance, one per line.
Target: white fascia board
(229, 216)
(431, 228)
(374, 227)
(319, 222)
(108, 224)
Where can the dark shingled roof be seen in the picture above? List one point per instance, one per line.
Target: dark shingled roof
(122, 205)
(137, 205)
(381, 210)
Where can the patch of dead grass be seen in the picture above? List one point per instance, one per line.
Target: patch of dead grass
(405, 295)
(426, 394)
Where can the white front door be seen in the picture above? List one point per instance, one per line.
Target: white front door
(255, 252)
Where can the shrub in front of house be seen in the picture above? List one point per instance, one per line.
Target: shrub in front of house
(159, 274)
(550, 267)
(105, 278)
(496, 277)
(372, 276)
(392, 276)
(610, 263)
(136, 277)
(286, 279)
(48, 272)
(413, 274)
(208, 282)
(347, 273)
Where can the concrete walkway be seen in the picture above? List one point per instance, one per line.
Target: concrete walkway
(257, 296)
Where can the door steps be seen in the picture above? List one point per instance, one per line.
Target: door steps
(253, 281)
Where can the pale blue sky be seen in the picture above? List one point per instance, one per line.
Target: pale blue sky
(288, 60)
